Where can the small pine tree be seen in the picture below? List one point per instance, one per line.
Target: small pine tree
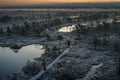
(47, 49)
(54, 49)
(31, 68)
(105, 41)
(96, 42)
(116, 47)
(1, 31)
(8, 31)
(66, 75)
(5, 19)
(22, 31)
(60, 37)
(47, 36)
(119, 67)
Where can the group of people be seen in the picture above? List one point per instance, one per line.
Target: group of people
(44, 57)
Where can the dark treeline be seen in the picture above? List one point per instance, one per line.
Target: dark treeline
(29, 29)
(5, 19)
(36, 27)
(104, 28)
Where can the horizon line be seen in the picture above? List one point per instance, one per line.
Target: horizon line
(48, 3)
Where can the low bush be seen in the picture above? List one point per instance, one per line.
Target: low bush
(31, 68)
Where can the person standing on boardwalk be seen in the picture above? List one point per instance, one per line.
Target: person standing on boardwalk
(68, 42)
(44, 62)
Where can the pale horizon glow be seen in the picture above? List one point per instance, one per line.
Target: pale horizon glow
(29, 2)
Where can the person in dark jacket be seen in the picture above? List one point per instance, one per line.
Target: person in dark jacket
(68, 42)
(44, 62)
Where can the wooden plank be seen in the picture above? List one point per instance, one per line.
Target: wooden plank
(41, 73)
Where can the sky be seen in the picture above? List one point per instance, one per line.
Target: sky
(30, 2)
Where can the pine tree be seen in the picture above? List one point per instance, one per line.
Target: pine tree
(1, 31)
(119, 67)
(9, 31)
(96, 41)
(117, 47)
(60, 37)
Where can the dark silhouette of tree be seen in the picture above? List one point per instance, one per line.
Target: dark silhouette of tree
(96, 41)
(106, 26)
(119, 67)
(66, 76)
(5, 19)
(105, 41)
(69, 19)
(49, 16)
(116, 46)
(36, 28)
(60, 37)
(22, 31)
(26, 24)
(81, 29)
(47, 36)
(27, 28)
(16, 29)
(1, 31)
(9, 31)
(31, 68)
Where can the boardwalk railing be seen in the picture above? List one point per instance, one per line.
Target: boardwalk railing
(41, 73)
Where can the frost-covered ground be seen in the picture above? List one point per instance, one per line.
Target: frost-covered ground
(77, 64)
(82, 62)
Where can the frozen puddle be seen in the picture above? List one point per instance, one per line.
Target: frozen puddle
(92, 71)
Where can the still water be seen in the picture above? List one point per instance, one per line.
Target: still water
(67, 28)
(12, 60)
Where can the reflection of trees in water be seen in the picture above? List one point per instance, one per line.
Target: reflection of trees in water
(15, 50)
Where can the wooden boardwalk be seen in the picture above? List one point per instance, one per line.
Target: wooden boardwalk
(92, 71)
(41, 73)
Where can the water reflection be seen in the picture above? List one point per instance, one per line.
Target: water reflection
(67, 28)
(11, 62)
(15, 50)
(84, 23)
